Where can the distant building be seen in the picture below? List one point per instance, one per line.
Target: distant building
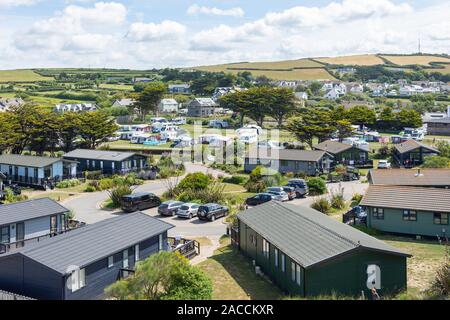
(344, 153)
(334, 90)
(412, 153)
(301, 95)
(202, 107)
(7, 103)
(180, 88)
(221, 91)
(141, 80)
(78, 107)
(168, 106)
(124, 103)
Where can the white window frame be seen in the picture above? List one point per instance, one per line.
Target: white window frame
(293, 271)
(160, 242)
(125, 259)
(78, 279)
(275, 254)
(266, 248)
(136, 253)
(110, 262)
(283, 262)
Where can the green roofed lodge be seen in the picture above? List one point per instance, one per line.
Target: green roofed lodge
(307, 253)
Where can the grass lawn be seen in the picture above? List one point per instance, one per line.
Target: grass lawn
(21, 76)
(233, 277)
(124, 87)
(54, 195)
(427, 256)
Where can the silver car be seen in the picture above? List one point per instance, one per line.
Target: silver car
(169, 208)
(187, 210)
(279, 195)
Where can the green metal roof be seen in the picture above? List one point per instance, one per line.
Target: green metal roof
(308, 236)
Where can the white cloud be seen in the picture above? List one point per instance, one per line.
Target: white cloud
(103, 13)
(438, 31)
(233, 12)
(17, 3)
(166, 30)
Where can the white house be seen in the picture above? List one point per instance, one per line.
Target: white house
(334, 93)
(124, 103)
(76, 107)
(301, 95)
(355, 88)
(180, 88)
(7, 103)
(168, 106)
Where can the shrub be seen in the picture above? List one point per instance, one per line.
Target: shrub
(214, 192)
(93, 175)
(194, 181)
(337, 200)
(441, 283)
(117, 193)
(289, 175)
(317, 186)
(321, 205)
(90, 188)
(356, 199)
(105, 184)
(68, 183)
(241, 180)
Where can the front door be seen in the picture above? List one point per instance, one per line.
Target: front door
(20, 234)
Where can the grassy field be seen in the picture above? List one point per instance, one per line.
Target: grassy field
(445, 69)
(414, 60)
(123, 87)
(21, 76)
(357, 60)
(233, 277)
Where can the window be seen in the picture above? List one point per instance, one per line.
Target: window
(4, 234)
(125, 263)
(101, 164)
(409, 215)
(136, 252)
(296, 273)
(265, 248)
(440, 218)
(378, 213)
(110, 262)
(253, 240)
(77, 279)
(275, 252)
(161, 242)
(283, 262)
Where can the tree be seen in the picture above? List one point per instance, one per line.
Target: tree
(386, 119)
(444, 148)
(436, 162)
(313, 124)
(96, 127)
(150, 97)
(282, 104)
(344, 129)
(361, 115)
(163, 276)
(194, 181)
(409, 118)
(315, 87)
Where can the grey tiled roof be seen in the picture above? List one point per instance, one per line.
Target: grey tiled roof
(413, 198)
(31, 209)
(91, 243)
(98, 155)
(306, 235)
(287, 154)
(27, 161)
(334, 147)
(411, 177)
(411, 145)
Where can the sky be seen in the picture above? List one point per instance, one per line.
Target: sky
(146, 34)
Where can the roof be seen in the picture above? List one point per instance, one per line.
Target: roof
(27, 161)
(411, 145)
(98, 155)
(410, 177)
(31, 209)
(204, 102)
(169, 101)
(91, 243)
(412, 198)
(334, 147)
(437, 120)
(288, 154)
(306, 235)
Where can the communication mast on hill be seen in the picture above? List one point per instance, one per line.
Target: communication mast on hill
(420, 49)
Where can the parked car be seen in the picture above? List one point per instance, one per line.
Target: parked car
(220, 124)
(356, 215)
(258, 199)
(383, 164)
(188, 210)
(212, 211)
(169, 208)
(139, 201)
(290, 192)
(300, 187)
(279, 195)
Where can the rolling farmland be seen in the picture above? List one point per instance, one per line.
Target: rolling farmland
(8, 76)
(422, 60)
(358, 60)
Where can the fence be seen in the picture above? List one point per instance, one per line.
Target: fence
(5, 295)
(187, 248)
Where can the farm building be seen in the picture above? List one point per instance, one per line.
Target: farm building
(344, 153)
(80, 264)
(408, 210)
(439, 178)
(307, 253)
(34, 170)
(412, 153)
(297, 161)
(29, 221)
(108, 162)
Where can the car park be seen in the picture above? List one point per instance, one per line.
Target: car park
(139, 201)
(212, 211)
(300, 187)
(169, 208)
(258, 199)
(279, 195)
(290, 192)
(187, 210)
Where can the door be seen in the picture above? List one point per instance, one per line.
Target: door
(20, 234)
(53, 224)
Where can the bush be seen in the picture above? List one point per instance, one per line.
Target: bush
(337, 200)
(117, 193)
(90, 188)
(317, 186)
(68, 183)
(93, 175)
(213, 193)
(241, 180)
(441, 283)
(194, 181)
(10, 197)
(321, 205)
(356, 199)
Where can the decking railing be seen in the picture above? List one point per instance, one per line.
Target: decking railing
(187, 248)
(5, 295)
